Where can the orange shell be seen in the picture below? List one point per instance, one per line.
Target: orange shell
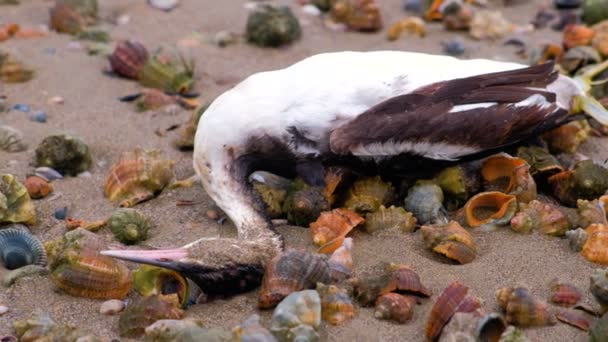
(360, 15)
(516, 170)
(336, 305)
(600, 40)
(551, 52)
(577, 35)
(567, 138)
(490, 207)
(334, 177)
(412, 25)
(450, 240)
(332, 225)
(453, 299)
(595, 248)
(37, 187)
(522, 309)
(395, 307)
(604, 202)
(8, 30)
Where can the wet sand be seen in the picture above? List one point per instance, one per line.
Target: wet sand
(92, 112)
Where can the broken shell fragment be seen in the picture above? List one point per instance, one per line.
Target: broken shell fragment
(129, 226)
(92, 226)
(490, 209)
(488, 24)
(510, 175)
(297, 317)
(341, 261)
(396, 307)
(522, 309)
(336, 305)
(564, 294)
(251, 330)
(392, 219)
(19, 248)
(368, 194)
(64, 153)
(137, 177)
(128, 58)
(270, 26)
(450, 240)
(545, 217)
(335, 177)
(185, 139)
(11, 139)
(15, 202)
(577, 238)
(574, 318)
(586, 181)
(37, 187)
(357, 15)
(410, 25)
(151, 280)
(145, 311)
(425, 201)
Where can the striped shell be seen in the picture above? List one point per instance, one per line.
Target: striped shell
(19, 248)
(452, 300)
(396, 307)
(392, 219)
(15, 203)
(450, 240)
(128, 58)
(11, 139)
(145, 311)
(522, 309)
(394, 278)
(336, 305)
(137, 177)
(564, 294)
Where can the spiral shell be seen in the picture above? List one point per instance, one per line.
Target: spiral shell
(577, 239)
(129, 226)
(396, 307)
(410, 25)
(272, 189)
(337, 307)
(271, 26)
(304, 203)
(64, 153)
(586, 181)
(15, 203)
(567, 138)
(368, 194)
(65, 19)
(297, 317)
(564, 294)
(252, 330)
(330, 229)
(599, 286)
(71, 245)
(37, 187)
(389, 219)
(546, 217)
(577, 35)
(490, 209)
(128, 58)
(166, 74)
(502, 168)
(138, 176)
(359, 15)
(542, 163)
(151, 280)
(289, 272)
(19, 248)
(394, 278)
(341, 261)
(595, 248)
(145, 311)
(458, 184)
(453, 299)
(522, 309)
(11, 139)
(450, 240)
(590, 212)
(425, 201)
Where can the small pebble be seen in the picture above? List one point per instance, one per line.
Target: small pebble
(56, 100)
(85, 174)
(47, 173)
(123, 19)
(3, 309)
(26, 271)
(61, 213)
(212, 214)
(453, 48)
(111, 307)
(74, 46)
(21, 107)
(311, 10)
(415, 6)
(38, 116)
(165, 5)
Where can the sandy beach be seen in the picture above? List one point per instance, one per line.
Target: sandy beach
(92, 112)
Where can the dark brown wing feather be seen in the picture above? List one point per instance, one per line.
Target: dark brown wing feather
(424, 115)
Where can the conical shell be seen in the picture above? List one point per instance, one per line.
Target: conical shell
(392, 219)
(574, 318)
(542, 163)
(396, 307)
(332, 227)
(425, 201)
(289, 272)
(590, 212)
(15, 203)
(251, 330)
(19, 248)
(586, 181)
(510, 175)
(297, 317)
(599, 286)
(522, 309)
(459, 183)
(450, 240)
(145, 311)
(341, 261)
(595, 248)
(151, 280)
(358, 15)
(452, 300)
(37, 187)
(335, 177)
(64, 153)
(368, 194)
(304, 203)
(11, 139)
(137, 176)
(490, 209)
(564, 294)
(128, 58)
(546, 217)
(129, 226)
(336, 305)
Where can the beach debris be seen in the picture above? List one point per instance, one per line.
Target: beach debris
(12, 70)
(411, 25)
(97, 36)
(304, 203)
(144, 311)
(469, 326)
(111, 307)
(453, 299)
(15, 203)
(357, 15)
(64, 153)
(184, 330)
(330, 229)
(396, 307)
(490, 210)
(425, 201)
(563, 293)
(453, 47)
(487, 24)
(13, 276)
(451, 241)
(152, 99)
(546, 217)
(323, 5)
(577, 35)
(129, 226)
(128, 58)
(185, 138)
(137, 177)
(391, 219)
(341, 262)
(65, 19)
(11, 139)
(273, 191)
(92, 226)
(393, 278)
(368, 194)
(574, 318)
(522, 309)
(174, 75)
(594, 11)
(414, 6)
(297, 317)
(61, 213)
(252, 330)
(586, 180)
(21, 107)
(336, 305)
(270, 26)
(18, 247)
(224, 38)
(41, 327)
(291, 271)
(567, 138)
(164, 5)
(37, 187)
(151, 280)
(8, 30)
(504, 173)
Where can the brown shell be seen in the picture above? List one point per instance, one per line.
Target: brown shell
(359, 15)
(595, 248)
(452, 300)
(450, 240)
(396, 307)
(37, 187)
(590, 212)
(291, 271)
(550, 52)
(490, 209)
(336, 305)
(334, 179)
(577, 35)
(574, 318)
(567, 138)
(341, 261)
(546, 217)
(137, 176)
(522, 309)
(600, 40)
(332, 227)
(389, 219)
(147, 310)
(458, 18)
(368, 194)
(128, 58)
(510, 175)
(586, 180)
(395, 278)
(564, 294)
(152, 99)
(410, 25)
(93, 226)
(65, 19)
(407, 280)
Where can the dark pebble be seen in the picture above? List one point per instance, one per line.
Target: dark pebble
(61, 213)
(453, 48)
(568, 4)
(38, 116)
(22, 107)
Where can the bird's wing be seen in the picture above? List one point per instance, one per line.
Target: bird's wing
(455, 118)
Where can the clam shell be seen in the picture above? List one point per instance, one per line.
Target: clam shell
(128, 58)
(336, 305)
(522, 309)
(564, 294)
(368, 194)
(341, 261)
(11, 139)
(450, 240)
(425, 201)
(574, 318)
(19, 248)
(453, 299)
(271, 26)
(586, 181)
(546, 217)
(297, 317)
(599, 286)
(251, 330)
(37, 187)
(389, 219)
(146, 310)
(358, 15)
(15, 203)
(332, 227)
(595, 248)
(510, 175)
(490, 209)
(396, 307)
(151, 280)
(64, 153)
(289, 272)
(128, 225)
(567, 138)
(542, 163)
(137, 176)
(409, 25)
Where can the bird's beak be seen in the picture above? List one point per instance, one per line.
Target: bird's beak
(167, 258)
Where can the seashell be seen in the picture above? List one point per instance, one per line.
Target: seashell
(183, 330)
(86, 8)
(252, 331)
(425, 201)
(453, 299)
(577, 239)
(395, 278)
(128, 58)
(586, 181)
(549, 52)
(47, 173)
(599, 330)
(546, 217)
(590, 212)
(145, 311)
(567, 138)
(368, 194)
(490, 209)
(334, 179)
(466, 326)
(389, 220)
(410, 25)
(542, 163)
(151, 280)
(152, 99)
(64, 153)
(273, 197)
(457, 17)
(15, 203)
(393, 306)
(92, 226)
(594, 248)
(564, 294)
(458, 183)
(450, 240)
(11, 139)
(91, 275)
(37, 187)
(165, 5)
(357, 15)
(510, 175)
(336, 305)
(65, 19)
(600, 40)
(71, 245)
(574, 318)
(330, 229)
(185, 139)
(19, 248)
(577, 35)
(304, 203)
(13, 276)
(594, 11)
(129, 226)
(599, 286)
(297, 317)
(513, 334)
(579, 57)
(434, 11)
(138, 176)
(270, 26)
(522, 309)
(488, 24)
(43, 328)
(289, 272)
(341, 261)
(165, 73)
(12, 70)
